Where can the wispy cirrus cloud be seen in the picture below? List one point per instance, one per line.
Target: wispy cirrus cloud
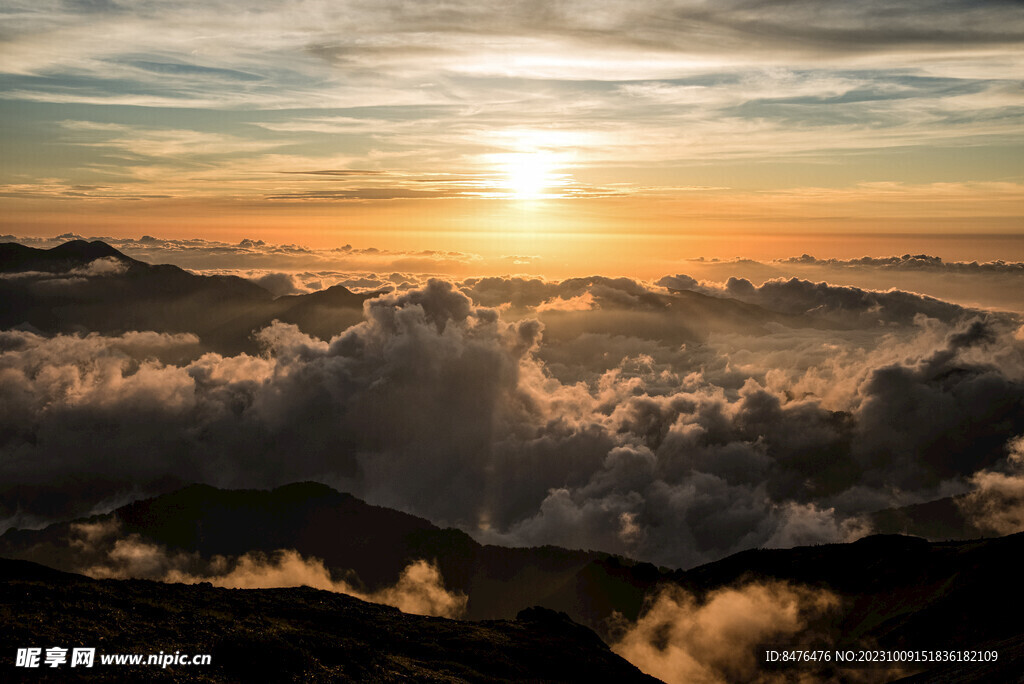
(602, 89)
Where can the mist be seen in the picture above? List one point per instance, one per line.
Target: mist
(722, 637)
(102, 551)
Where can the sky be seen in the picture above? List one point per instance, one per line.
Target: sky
(592, 136)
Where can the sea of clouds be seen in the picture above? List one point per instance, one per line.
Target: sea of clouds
(674, 421)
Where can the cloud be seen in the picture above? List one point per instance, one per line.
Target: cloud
(420, 591)
(537, 293)
(465, 30)
(420, 588)
(803, 525)
(380, 193)
(914, 262)
(104, 552)
(996, 504)
(395, 96)
(834, 283)
(59, 281)
(612, 428)
(992, 285)
(583, 302)
(280, 284)
(721, 637)
(836, 303)
(258, 258)
(105, 266)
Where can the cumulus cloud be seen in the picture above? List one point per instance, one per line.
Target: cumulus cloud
(990, 285)
(914, 262)
(420, 590)
(996, 504)
(837, 304)
(104, 266)
(805, 524)
(583, 302)
(595, 292)
(104, 552)
(721, 637)
(280, 284)
(283, 283)
(671, 427)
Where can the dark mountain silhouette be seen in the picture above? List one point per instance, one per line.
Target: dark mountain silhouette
(895, 592)
(273, 635)
(376, 543)
(15, 258)
(325, 313)
(61, 290)
(899, 592)
(942, 519)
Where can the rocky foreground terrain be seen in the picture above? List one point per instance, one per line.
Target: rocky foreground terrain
(892, 592)
(281, 635)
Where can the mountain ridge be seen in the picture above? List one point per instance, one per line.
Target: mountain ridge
(297, 634)
(223, 310)
(894, 592)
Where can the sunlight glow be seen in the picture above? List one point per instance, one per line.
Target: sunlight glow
(528, 174)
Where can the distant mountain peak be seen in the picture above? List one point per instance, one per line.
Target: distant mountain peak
(120, 293)
(87, 251)
(73, 254)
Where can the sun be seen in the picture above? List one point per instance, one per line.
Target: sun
(528, 174)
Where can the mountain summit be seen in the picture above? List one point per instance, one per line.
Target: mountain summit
(60, 290)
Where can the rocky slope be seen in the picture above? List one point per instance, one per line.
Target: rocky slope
(281, 635)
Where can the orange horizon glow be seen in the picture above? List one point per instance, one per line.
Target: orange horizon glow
(623, 141)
